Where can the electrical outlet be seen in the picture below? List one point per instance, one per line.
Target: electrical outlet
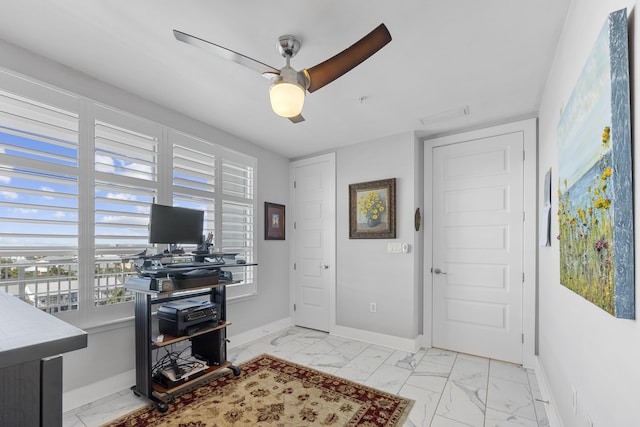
(373, 307)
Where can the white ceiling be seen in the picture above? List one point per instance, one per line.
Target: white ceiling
(491, 55)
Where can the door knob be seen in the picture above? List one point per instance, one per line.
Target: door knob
(324, 267)
(437, 271)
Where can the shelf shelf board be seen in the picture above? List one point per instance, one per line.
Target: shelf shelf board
(168, 339)
(161, 392)
(196, 288)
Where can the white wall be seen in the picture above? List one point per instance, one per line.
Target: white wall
(110, 353)
(580, 345)
(366, 273)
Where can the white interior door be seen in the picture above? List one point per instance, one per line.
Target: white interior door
(478, 247)
(314, 253)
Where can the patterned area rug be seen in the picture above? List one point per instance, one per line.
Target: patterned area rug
(274, 392)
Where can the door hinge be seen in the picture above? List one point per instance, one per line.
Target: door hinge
(524, 155)
(522, 338)
(294, 266)
(294, 184)
(294, 307)
(294, 225)
(523, 216)
(522, 277)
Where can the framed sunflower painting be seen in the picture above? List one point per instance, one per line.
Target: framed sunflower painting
(372, 209)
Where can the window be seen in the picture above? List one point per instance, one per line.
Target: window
(39, 196)
(238, 218)
(76, 174)
(196, 170)
(194, 177)
(126, 184)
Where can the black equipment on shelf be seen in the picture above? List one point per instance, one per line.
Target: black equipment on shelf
(186, 317)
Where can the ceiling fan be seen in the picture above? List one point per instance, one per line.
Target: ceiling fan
(288, 87)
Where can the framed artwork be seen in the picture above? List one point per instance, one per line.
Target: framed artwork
(372, 210)
(595, 189)
(545, 215)
(274, 221)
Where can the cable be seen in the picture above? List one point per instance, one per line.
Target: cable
(172, 360)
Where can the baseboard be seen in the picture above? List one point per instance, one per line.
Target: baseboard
(547, 394)
(404, 344)
(90, 393)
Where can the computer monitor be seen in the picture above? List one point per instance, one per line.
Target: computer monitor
(175, 225)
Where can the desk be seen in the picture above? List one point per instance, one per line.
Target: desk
(31, 343)
(210, 344)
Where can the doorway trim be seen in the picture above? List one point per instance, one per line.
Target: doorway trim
(530, 190)
(331, 159)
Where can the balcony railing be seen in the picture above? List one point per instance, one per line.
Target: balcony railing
(52, 285)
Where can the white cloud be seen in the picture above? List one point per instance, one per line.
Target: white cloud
(49, 190)
(59, 214)
(11, 195)
(105, 164)
(138, 170)
(120, 219)
(121, 196)
(27, 211)
(5, 179)
(111, 165)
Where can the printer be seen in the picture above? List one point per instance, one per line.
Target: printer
(186, 317)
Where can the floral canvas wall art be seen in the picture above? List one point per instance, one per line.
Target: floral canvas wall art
(595, 209)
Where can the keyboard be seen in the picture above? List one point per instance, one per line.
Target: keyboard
(191, 264)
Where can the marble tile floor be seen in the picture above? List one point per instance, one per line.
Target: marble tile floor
(450, 389)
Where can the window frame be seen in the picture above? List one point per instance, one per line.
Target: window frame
(88, 314)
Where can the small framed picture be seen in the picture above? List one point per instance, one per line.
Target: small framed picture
(274, 221)
(372, 209)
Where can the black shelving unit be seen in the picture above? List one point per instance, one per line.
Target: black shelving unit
(210, 344)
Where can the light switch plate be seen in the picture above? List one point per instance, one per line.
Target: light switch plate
(394, 248)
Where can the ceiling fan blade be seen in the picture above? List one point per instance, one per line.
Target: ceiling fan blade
(334, 67)
(225, 53)
(297, 119)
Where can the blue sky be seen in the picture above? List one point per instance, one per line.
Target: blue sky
(24, 191)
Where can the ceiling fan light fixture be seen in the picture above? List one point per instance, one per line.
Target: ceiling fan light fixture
(287, 98)
(289, 87)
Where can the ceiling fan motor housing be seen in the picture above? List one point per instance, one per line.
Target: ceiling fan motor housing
(288, 46)
(290, 75)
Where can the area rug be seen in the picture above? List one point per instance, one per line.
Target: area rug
(274, 392)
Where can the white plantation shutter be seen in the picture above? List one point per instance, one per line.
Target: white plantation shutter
(126, 151)
(220, 182)
(126, 180)
(39, 147)
(39, 152)
(238, 227)
(194, 177)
